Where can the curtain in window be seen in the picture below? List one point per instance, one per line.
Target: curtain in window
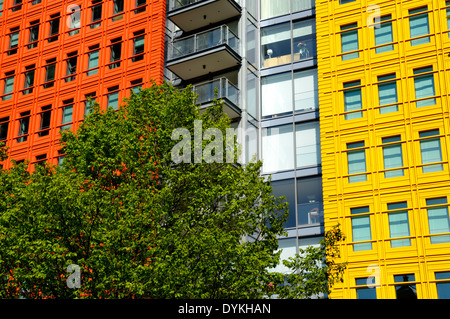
(383, 34)
(431, 152)
(307, 139)
(352, 101)
(361, 232)
(392, 156)
(14, 40)
(418, 26)
(424, 87)
(276, 94)
(271, 8)
(306, 90)
(438, 222)
(278, 148)
(356, 164)
(399, 227)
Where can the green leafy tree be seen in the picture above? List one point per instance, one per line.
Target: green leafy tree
(136, 223)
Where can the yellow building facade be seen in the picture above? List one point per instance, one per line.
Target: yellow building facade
(384, 79)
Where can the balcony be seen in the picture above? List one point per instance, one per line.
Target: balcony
(190, 15)
(203, 53)
(221, 89)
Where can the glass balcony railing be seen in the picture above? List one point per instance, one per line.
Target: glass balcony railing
(203, 41)
(219, 89)
(177, 4)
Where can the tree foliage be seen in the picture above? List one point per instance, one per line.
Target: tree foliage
(137, 224)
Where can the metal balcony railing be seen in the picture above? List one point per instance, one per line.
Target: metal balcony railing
(220, 89)
(177, 4)
(203, 41)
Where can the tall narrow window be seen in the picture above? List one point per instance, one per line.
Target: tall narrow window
(93, 60)
(46, 114)
(8, 86)
(309, 200)
(136, 85)
(438, 220)
(276, 94)
(443, 284)
(50, 69)
(116, 53)
(363, 291)
(419, 26)
(71, 66)
(24, 122)
(67, 112)
(113, 97)
(138, 46)
(75, 20)
(90, 98)
(383, 35)
(34, 34)
(4, 124)
(96, 14)
(1, 7)
(361, 228)
(424, 86)
(117, 9)
(29, 79)
(448, 16)
(387, 93)
(404, 288)
(398, 224)
(17, 5)
(13, 41)
(140, 6)
(392, 156)
(349, 41)
(54, 27)
(356, 157)
(430, 150)
(352, 99)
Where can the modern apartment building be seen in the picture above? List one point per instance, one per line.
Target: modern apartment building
(261, 57)
(384, 117)
(55, 55)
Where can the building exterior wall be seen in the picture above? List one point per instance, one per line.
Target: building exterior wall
(393, 128)
(79, 35)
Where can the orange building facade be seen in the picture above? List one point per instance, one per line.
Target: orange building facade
(55, 55)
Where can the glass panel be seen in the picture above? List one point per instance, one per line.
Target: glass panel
(306, 90)
(303, 40)
(67, 114)
(352, 101)
(443, 290)
(307, 144)
(383, 34)
(278, 148)
(356, 164)
(387, 94)
(418, 26)
(349, 42)
(366, 293)
(424, 87)
(361, 232)
(276, 94)
(431, 152)
(276, 44)
(309, 200)
(271, 8)
(399, 227)
(392, 156)
(288, 249)
(438, 222)
(299, 5)
(113, 100)
(286, 188)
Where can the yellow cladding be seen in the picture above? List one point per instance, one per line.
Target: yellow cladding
(401, 103)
